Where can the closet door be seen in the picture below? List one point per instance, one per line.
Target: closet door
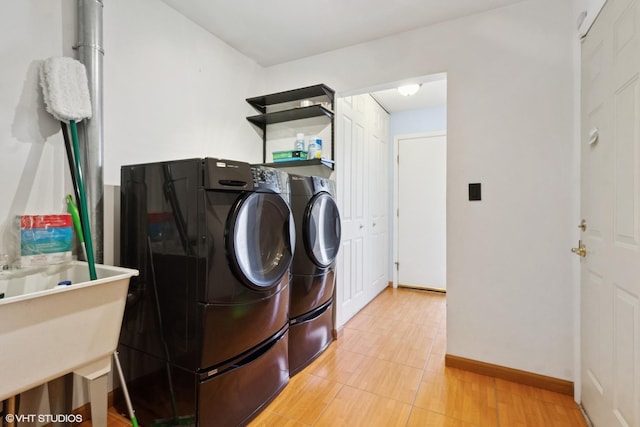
(378, 178)
(363, 193)
(351, 158)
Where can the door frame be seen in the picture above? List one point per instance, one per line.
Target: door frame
(396, 188)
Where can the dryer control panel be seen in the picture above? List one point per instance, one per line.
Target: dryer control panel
(323, 184)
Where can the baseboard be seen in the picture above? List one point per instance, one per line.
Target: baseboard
(338, 333)
(509, 374)
(422, 288)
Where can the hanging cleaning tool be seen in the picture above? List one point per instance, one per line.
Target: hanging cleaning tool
(66, 95)
(77, 224)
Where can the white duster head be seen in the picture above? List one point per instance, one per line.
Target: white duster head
(65, 89)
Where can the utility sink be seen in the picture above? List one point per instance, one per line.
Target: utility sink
(47, 331)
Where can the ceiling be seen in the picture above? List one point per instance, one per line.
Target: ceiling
(278, 31)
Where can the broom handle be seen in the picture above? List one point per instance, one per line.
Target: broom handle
(72, 171)
(83, 202)
(75, 211)
(125, 390)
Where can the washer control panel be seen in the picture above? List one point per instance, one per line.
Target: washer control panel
(266, 178)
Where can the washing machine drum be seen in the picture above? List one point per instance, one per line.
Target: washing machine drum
(260, 239)
(322, 229)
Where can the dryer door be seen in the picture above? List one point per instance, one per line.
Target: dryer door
(259, 239)
(322, 229)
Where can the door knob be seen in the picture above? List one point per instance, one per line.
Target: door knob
(581, 250)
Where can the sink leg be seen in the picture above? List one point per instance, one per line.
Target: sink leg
(61, 397)
(96, 374)
(10, 409)
(98, 395)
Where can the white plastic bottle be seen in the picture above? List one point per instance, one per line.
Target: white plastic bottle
(311, 152)
(299, 145)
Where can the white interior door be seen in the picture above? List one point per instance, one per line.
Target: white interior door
(378, 178)
(362, 184)
(610, 185)
(351, 196)
(421, 215)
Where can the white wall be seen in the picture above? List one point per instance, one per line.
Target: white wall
(511, 127)
(418, 121)
(32, 159)
(171, 90)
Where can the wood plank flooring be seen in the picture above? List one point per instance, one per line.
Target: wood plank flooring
(388, 370)
(114, 419)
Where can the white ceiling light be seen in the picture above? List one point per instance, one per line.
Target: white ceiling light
(409, 90)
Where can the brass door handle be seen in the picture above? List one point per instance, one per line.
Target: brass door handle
(581, 250)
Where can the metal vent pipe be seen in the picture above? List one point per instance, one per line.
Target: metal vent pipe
(91, 53)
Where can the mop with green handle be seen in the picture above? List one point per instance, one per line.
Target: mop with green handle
(66, 95)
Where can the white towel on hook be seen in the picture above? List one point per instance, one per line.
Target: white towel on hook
(65, 89)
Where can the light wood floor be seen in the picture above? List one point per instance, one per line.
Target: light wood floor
(114, 419)
(388, 370)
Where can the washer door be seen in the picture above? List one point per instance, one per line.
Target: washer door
(322, 229)
(259, 239)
